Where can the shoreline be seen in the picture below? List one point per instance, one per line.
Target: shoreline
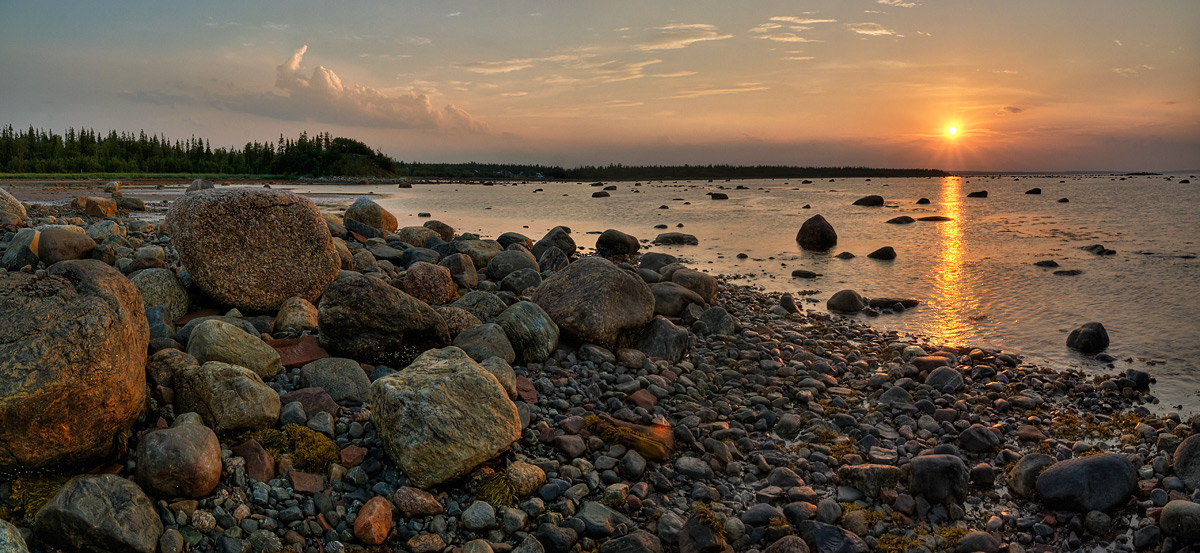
(792, 425)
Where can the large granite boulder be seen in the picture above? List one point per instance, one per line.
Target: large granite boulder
(432, 284)
(72, 363)
(162, 287)
(366, 319)
(530, 330)
(442, 416)
(1095, 483)
(816, 234)
(100, 513)
(181, 461)
(703, 284)
(216, 340)
(11, 205)
(253, 248)
(60, 244)
(614, 242)
(595, 301)
(227, 397)
(510, 261)
(366, 211)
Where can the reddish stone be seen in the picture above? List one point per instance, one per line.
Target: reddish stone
(313, 400)
(352, 456)
(426, 543)
(297, 352)
(164, 395)
(145, 263)
(1029, 433)
(572, 424)
(415, 502)
(305, 482)
(374, 521)
(259, 464)
(526, 391)
(642, 398)
(323, 522)
(572, 446)
(196, 315)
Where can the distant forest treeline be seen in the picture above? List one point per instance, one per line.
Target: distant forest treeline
(86, 151)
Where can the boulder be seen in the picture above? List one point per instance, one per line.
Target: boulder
(718, 321)
(457, 319)
(60, 244)
(462, 270)
(227, 397)
(253, 248)
(22, 250)
(704, 285)
(943, 379)
(816, 234)
(670, 298)
(870, 201)
(361, 231)
(99, 207)
(521, 280)
(366, 211)
(337, 227)
(429, 283)
(656, 261)
(552, 260)
(10, 538)
(442, 416)
(1181, 519)
(614, 242)
(416, 236)
(885, 253)
(827, 538)
(444, 231)
(661, 339)
(510, 238)
(846, 301)
(505, 375)
(216, 340)
(296, 314)
(938, 477)
(558, 237)
(1034, 191)
(366, 319)
(978, 194)
(131, 204)
(10, 204)
(104, 513)
(1088, 338)
(162, 287)
(1187, 461)
(1095, 483)
(505, 262)
(199, 184)
(595, 301)
(484, 341)
(485, 306)
(72, 363)
(901, 220)
(343, 379)
(676, 239)
(1022, 479)
(531, 331)
(181, 461)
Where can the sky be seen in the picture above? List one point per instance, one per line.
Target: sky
(1030, 85)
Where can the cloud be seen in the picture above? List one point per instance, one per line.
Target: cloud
(871, 29)
(783, 28)
(787, 37)
(323, 97)
(681, 35)
(514, 94)
(275, 26)
(899, 3)
(798, 58)
(612, 72)
(1132, 71)
(696, 93)
(1009, 110)
(801, 20)
(455, 14)
(494, 67)
(1118, 42)
(673, 75)
(622, 104)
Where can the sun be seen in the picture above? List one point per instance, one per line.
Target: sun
(952, 130)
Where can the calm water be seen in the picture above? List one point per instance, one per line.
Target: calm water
(974, 273)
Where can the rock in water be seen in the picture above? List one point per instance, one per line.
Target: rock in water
(59, 244)
(227, 397)
(884, 253)
(442, 416)
(530, 330)
(901, 220)
(615, 242)
(870, 201)
(215, 340)
(72, 362)
(253, 248)
(162, 287)
(181, 461)
(846, 301)
(366, 319)
(365, 210)
(1096, 483)
(106, 512)
(978, 194)
(816, 234)
(1088, 338)
(595, 301)
(11, 205)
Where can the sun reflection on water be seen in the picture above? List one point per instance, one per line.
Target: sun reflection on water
(954, 298)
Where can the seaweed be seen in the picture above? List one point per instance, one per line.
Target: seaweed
(497, 490)
(29, 493)
(707, 518)
(311, 450)
(652, 442)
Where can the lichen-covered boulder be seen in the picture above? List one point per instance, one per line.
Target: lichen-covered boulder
(442, 416)
(72, 363)
(597, 302)
(365, 210)
(530, 330)
(429, 283)
(296, 314)
(102, 513)
(253, 248)
(366, 319)
(227, 397)
(216, 340)
(162, 287)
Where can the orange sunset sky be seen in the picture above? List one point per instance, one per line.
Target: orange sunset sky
(1030, 85)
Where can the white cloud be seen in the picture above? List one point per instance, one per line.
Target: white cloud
(899, 3)
(673, 75)
(1132, 71)
(787, 37)
(697, 93)
(783, 28)
(275, 26)
(514, 94)
(801, 20)
(323, 97)
(681, 35)
(494, 67)
(871, 29)
(1118, 42)
(455, 14)
(622, 104)
(798, 58)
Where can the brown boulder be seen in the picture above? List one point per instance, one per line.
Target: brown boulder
(72, 363)
(60, 244)
(366, 319)
(253, 248)
(183, 461)
(366, 211)
(99, 207)
(429, 283)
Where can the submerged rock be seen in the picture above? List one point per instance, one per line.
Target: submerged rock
(1088, 338)
(869, 201)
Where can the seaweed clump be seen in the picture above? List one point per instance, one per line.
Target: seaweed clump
(707, 518)
(310, 450)
(497, 490)
(652, 441)
(29, 493)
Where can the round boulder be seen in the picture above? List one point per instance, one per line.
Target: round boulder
(296, 314)
(366, 319)
(11, 205)
(1095, 483)
(870, 201)
(253, 248)
(846, 301)
(816, 234)
(227, 397)
(614, 242)
(72, 363)
(366, 211)
(597, 302)
(60, 244)
(162, 287)
(508, 261)
(102, 513)
(182, 461)
(429, 283)
(1088, 338)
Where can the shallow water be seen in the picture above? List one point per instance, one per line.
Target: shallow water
(974, 274)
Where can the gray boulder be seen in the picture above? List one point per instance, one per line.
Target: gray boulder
(816, 234)
(938, 477)
(595, 301)
(22, 250)
(343, 379)
(531, 331)
(1088, 338)
(161, 287)
(484, 341)
(846, 301)
(614, 242)
(215, 340)
(1095, 483)
(1187, 461)
(670, 298)
(661, 339)
(485, 306)
(508, 261)
(227, 397)
(366, 319)
(105, 512)
(10, 538)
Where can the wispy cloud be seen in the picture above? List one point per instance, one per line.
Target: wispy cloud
(455, 14)
(801, 20)
(672, 75)
(783, 28)
(871, 29)
(494, 67)
(899, 3)
(514, 94)
(323, 97)
(1132, 71)
(697, 93)
(681, 35)
(797, 58)
(1009, 110)
(275, 26)
(622, 104)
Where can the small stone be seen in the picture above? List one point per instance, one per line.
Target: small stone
(374, 521)
(479, 516)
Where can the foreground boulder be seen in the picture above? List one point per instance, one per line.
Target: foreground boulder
(595, 301)
(442, 416)
(368, 212)
(72, 363)
(938, 477)
(816, 234)
(227, 397)
(1096, 483)
(182, 461)
(60, 244)
(1088, 338)
(253, 248)
(531, 332)
(366, 319)
(106, 513)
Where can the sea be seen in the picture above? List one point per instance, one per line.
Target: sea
(974, 274)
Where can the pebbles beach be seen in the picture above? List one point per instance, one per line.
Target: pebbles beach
(250, 374)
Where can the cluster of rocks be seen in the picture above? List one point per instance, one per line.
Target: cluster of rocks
(414, 388)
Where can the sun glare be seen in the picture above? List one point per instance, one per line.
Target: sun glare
(952, 130)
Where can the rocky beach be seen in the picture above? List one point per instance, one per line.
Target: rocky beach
(245, 373)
